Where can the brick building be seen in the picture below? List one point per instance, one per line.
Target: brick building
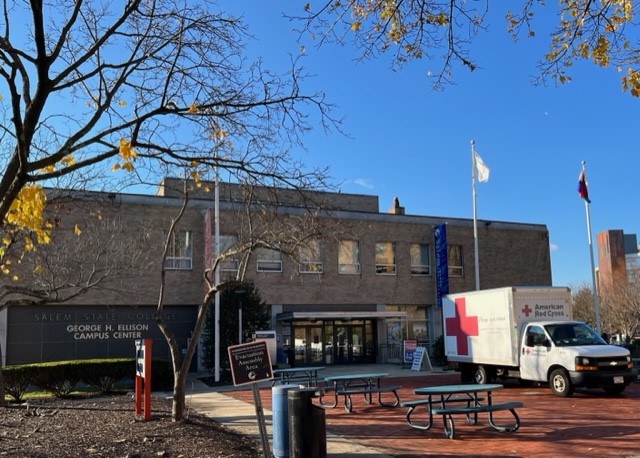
(363, 281)
(618, 258)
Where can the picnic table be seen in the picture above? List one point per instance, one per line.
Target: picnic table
(366, 384)
(308, 374)
(449, 400)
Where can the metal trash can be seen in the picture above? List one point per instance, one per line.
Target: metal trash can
(307, 426)
(280, 420)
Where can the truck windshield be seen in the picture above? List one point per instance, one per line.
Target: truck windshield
(572, 334)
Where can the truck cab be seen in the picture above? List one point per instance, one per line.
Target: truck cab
(570, 354)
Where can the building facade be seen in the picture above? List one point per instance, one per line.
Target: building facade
(346, 282)
(618, 258)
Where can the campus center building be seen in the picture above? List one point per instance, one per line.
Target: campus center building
(363, 281)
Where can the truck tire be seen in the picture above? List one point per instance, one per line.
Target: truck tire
(560, 383)
(482, 375)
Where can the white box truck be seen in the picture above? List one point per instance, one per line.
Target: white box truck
(528, 333)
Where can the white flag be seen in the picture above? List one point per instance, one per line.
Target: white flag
(481, 171)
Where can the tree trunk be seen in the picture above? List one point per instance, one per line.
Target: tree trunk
(179, 382)
(3, 403)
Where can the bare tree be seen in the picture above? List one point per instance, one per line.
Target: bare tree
(260, 224)
(136, 88)
(622, 307)
(582, 304)
(92, 249)
(90, 87)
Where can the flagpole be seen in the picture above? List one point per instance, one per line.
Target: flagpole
(596, 303)
(216, 272)
(475, 216)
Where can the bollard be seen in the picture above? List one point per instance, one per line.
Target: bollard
(307, 427)
(280, 420)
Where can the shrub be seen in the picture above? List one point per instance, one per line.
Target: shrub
(102, 374)
(17, 380)
(61, 377)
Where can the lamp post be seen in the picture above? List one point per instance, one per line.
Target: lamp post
(240, 293)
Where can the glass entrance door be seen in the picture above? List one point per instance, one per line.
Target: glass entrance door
(308, 344)
(350, 345)
(331, 342)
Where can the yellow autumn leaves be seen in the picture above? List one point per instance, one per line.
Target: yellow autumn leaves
(387, 15)
(25, 216)
(127, 155)
(631, 82)
(66, 161)
(27, 213)
(577, 24)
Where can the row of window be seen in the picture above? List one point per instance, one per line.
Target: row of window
(179, 257)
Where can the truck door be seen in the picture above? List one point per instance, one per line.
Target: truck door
(534, 354)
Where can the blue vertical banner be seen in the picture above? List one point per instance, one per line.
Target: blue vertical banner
(442, 267)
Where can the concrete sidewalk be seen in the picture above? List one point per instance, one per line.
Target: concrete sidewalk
(241, 416)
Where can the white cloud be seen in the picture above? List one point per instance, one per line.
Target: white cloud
(364, 182)
(553, 247)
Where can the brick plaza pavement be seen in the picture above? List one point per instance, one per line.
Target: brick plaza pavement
(590, 423)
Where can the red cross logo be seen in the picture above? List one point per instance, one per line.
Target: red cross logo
(462, 326)
(527, 310)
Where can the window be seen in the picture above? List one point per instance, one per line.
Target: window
(269, 260)
(349, 257)
(311, 258)
(535, 336)
(231, 263)
(179, 254)
(633, 268)
(454, 260)
(386, 258)
(420, 259)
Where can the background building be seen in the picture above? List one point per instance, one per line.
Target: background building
(618, 258)
(347, 283)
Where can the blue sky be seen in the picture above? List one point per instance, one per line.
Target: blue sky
(408, 141)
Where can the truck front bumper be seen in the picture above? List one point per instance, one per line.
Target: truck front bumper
(601, 379)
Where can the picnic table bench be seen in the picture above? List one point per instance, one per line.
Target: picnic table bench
(413, 403)
(465, 394)
(367, 384)
(449, 426)
(307, 374)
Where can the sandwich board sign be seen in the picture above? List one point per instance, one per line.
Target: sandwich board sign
(421, 360)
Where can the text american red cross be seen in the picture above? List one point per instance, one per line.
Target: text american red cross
(462, 326)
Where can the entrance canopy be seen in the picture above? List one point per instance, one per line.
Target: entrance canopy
(359, 315)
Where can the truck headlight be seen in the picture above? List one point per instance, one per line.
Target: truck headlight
(584, 363)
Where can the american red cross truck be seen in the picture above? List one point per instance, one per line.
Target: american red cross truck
(528, 333)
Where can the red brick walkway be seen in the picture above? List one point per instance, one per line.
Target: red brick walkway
(590, 423)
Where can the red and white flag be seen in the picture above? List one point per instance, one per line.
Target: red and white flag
(583, 192)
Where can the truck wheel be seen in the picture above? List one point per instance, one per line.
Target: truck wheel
(481, 375)
(560, 383)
